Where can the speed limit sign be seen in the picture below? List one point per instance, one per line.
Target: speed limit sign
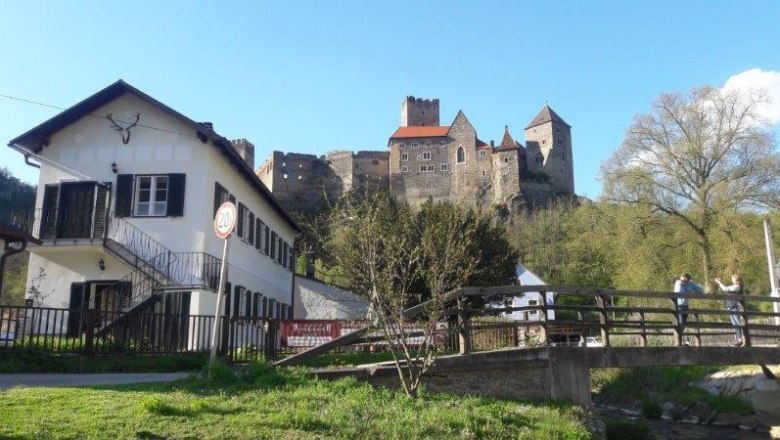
(225, 220)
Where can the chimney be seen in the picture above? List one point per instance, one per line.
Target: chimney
(246, 150)
(492, 143)
(208, 125)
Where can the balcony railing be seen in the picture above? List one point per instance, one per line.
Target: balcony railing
(61, 224)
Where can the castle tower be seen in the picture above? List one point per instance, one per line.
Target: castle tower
(506, 171)
(548, 145)
(419, 112)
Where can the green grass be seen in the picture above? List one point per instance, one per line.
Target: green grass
(347, 358)
(279, 404)
(43, 362)
(659, 384)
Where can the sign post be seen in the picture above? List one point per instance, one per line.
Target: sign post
(224, 223)
(770, 255)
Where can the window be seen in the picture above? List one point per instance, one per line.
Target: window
(401, 145)
(273, 246)
(461, 155)
(531, 303)
(415, 145)
(428, 144)
(404, 169)
(246, 224)
(484, 173)
(267, 241)
(445, 167)
(426, 155)
(426, 168)
(482, 153)
(404, 156)
(419, 157)
(151, 196)
(259, 226)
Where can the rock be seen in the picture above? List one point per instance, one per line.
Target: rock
(727, 419)
(764, 384)
(696, 413)
(667, 406)
(748, 423)
(766, 402)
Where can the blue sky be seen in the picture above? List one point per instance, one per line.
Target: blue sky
(319, 76)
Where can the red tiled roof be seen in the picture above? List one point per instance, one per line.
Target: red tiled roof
(482, 145)
(420, 132)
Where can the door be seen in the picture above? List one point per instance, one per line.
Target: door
(76, 208)
(78, 297)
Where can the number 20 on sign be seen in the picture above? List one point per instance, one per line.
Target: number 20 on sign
(225, 220)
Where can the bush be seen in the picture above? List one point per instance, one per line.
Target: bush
(218, 373)
(651, 409)
(627, 429)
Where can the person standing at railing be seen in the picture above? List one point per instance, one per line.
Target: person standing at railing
(732, 305)
(683, 285)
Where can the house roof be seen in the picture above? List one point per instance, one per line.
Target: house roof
(481, 145)
(546, 115)
(507, 143)
(36, 139)
(422, 131)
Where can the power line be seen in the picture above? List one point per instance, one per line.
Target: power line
(151, 127)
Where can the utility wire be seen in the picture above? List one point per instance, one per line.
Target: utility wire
(30, 101)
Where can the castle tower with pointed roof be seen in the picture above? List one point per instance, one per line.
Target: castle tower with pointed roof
(548, 145)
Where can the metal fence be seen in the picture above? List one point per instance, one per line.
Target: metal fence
(56, 330)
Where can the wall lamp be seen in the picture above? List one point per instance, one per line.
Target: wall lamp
(113, 167)
(101, 265)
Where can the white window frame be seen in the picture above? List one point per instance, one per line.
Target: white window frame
(401, 145)
(482, 153)
(153, 204)
(405, 156)
(427, 155)
(533, 302)
(404, 169)
(445, 167)
(415, 145)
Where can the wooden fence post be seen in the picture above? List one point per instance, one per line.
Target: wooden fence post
(601, 303)
(543, 318)
(745, 330)
(642, 331)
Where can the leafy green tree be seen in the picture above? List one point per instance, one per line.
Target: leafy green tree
(695, 157)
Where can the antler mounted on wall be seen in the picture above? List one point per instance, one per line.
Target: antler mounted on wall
(124, 130)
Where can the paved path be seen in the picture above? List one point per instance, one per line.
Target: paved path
(78, 380)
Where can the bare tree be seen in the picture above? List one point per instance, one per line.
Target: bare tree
(695, 156)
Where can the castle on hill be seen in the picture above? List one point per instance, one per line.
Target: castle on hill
(425, 160)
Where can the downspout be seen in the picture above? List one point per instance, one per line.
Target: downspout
(27, 161)
(8, 251)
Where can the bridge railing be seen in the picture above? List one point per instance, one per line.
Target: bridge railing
(622, 317)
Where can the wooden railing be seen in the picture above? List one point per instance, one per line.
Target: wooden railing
(637, 318)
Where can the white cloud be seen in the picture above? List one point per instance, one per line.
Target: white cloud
(768, 80)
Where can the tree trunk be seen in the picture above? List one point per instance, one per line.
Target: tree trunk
(706, 251)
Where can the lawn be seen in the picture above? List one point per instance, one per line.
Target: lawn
(279, 404)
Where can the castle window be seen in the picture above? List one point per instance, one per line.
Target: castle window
(404, 169)
(445, 167)
(426, 168)
(544, 141)
(484, 173)
(300, 177)
(506, 159)
(428, 144)
(284, 176)
(404, 156)
(418, 157)
(415, 145)
(426, 155)
(563, 156)
(461, 154)
(401, 145)
(539, 158)
(482, 153)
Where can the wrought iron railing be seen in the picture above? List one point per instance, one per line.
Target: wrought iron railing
(61, 224)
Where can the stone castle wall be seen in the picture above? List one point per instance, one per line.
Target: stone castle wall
(418, 111)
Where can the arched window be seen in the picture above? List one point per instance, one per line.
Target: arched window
(461, 154)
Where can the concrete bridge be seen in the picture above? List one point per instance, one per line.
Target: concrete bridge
(637, 329)
(550, 372)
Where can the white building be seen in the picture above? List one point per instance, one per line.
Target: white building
(126, 197)
(527, 278)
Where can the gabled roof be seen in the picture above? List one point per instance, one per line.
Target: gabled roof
(421, 131)
(482, 145)
(546, 115)
(37, 138)
(507, 143)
